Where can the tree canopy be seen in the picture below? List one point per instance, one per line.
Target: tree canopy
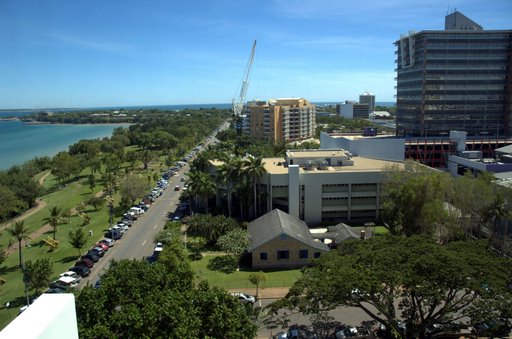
(414, 279)
(141, 300)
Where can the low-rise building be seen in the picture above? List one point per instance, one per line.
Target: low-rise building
(279, 240)
(325, 186)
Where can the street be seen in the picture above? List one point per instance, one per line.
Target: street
(343, 315)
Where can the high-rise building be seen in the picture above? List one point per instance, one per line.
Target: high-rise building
(285, 119)
(459, 78)
(368, 98)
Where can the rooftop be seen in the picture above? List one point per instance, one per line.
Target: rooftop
(278, 166)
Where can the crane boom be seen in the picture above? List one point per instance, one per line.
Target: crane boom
(238, 101)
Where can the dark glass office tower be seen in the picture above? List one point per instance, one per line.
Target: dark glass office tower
(459, 78)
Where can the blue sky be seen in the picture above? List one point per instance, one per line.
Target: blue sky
(120, 53)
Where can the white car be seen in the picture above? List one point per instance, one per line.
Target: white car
(70, 274)
(244, 298)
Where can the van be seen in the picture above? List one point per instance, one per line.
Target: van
(137, 210)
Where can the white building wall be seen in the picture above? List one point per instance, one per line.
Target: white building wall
(347, 111)
(293, 190)
(381, 148)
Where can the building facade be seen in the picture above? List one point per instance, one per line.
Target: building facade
(353, 110)
(459, 78)
(280, 120)
(368, 98)
(325, 186)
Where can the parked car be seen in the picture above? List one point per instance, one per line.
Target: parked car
(56, 290)
(64, 283)
(91, 256)
(82, 270)
(177, 187)
(113, 234)
(102, 245)
(84, 262)
(107, 241)
(71, 275)
(244, 298)
(97, 250)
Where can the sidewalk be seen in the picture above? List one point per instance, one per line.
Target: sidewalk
(264, 293)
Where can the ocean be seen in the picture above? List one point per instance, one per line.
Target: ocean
(19, 142)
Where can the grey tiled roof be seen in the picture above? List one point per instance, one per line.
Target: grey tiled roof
(277, 222)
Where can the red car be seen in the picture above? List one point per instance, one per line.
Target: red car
(102, 245)
(84, 262)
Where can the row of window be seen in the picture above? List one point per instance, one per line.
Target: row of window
(285, 255)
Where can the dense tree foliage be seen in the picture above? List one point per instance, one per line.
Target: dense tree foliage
(413, 279)
(133, 188)
(141, 300)
(210, 227)
(37, 275)
(420, 200)
(77, 239)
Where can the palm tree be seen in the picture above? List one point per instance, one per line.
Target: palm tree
(497, 210)
(20, 233)
(254, 168)
(228, 173)
(201, 186)
(54, 219)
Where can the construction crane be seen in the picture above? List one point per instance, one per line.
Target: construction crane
(238, 101)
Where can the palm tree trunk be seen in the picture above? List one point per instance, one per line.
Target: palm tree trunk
(20, 255)
(255, 202)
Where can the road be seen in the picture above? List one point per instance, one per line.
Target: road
(137, 242)
(343, 315)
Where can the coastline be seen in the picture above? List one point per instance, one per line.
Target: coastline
(21, 142)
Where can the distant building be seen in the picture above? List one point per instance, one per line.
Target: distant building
(353, 110)
(368, 98)
(459, 78)
(280, 120)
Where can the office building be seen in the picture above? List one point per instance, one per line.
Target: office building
(368, 98)
(353, 110)
(459, 78)
(325, 186)
(280, 120)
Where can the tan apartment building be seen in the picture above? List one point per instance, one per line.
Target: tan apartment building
(280, 120)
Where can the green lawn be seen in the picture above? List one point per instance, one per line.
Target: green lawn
(380, 230)
(282, 278)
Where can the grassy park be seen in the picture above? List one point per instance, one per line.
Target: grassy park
(240, 279)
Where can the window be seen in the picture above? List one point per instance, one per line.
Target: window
(317, 254)
(282, 236)
(303, 254)
(263, 256)
(283, 255)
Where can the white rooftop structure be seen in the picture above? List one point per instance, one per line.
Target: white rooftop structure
(51, 316)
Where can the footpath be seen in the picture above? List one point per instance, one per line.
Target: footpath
(264, 293)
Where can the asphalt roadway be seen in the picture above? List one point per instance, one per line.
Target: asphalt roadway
(137, 242)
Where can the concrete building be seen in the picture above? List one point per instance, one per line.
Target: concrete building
(459, 78)
(280, 120)
(353, 110)
(368, 98)
(325, 186)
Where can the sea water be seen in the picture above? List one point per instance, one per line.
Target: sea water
(20, 142)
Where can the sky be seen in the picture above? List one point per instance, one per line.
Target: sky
(95, 53)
